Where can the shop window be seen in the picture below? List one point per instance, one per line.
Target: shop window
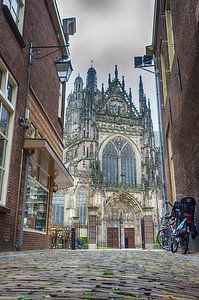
(8, 92)
(37, 195)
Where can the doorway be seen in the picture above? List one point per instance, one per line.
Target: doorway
(129, 237)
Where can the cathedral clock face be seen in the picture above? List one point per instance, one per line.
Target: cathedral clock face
(116, 106)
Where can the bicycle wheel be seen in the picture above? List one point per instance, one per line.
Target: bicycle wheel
(164, 238)
(174, 245)
(184, 242)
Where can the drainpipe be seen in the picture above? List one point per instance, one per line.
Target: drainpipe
(143, 233)
(14, 246)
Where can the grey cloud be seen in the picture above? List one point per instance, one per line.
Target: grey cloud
(110, 32)
(97, 4)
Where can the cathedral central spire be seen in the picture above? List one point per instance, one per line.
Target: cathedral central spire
(91, 80)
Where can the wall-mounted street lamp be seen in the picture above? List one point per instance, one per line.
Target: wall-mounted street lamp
(63, 64)
(144, 62)
(63, 67)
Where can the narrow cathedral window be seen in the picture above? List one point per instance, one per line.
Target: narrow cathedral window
(81, 206)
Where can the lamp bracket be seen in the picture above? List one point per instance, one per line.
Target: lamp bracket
(34, 51)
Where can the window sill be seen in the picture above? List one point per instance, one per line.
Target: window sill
(13, 26)
(4, 209)
(34, 231)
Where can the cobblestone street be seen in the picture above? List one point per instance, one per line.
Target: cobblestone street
(101, 274)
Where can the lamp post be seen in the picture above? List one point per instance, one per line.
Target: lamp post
(144, 62)
(120, 222)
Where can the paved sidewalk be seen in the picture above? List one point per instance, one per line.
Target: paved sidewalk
(100, 274)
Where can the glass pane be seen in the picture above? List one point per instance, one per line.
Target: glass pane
(15, 10)
(1, 75)
(2, 150)
(43, 178)
(1, 180)
(4, 120)
(33, 170)
(36, 206)
(9, 91)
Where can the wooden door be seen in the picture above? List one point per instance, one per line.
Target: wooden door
(112, 237)
(129, 237)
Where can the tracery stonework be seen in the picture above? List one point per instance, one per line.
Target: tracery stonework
(111, 154)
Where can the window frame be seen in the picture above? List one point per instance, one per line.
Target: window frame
(20, 15)
(10, 107)
(114, 163)
(170, 35)
(82, 206)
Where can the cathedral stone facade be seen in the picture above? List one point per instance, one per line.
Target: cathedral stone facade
(110, 152)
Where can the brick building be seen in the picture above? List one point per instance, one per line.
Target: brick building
(31, 122)
(176, 45)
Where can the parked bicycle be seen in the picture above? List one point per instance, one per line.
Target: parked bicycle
(184, 213)
(165, 233)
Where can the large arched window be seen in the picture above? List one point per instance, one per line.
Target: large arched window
(81, 206)
(118, 163)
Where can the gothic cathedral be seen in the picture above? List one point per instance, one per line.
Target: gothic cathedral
(111, 154)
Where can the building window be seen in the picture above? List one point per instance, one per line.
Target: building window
(4, 123)
(170, 38)
(1, 74)
(171, 165)
(8, 92)
(16, 8)
(119, 163)
(36, 197)
(164, 79)
(60, 101)
(81, 206)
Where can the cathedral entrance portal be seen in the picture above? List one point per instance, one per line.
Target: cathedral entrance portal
(123, 215)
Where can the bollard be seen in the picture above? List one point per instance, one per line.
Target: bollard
(73, 238)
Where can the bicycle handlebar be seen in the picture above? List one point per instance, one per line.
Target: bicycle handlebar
(169, 203)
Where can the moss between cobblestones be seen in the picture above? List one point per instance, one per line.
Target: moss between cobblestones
(130, 294)
(108, 274)
(23, 298)
(89, 294)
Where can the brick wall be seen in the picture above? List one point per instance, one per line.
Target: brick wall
(39, 30)
(181, 112)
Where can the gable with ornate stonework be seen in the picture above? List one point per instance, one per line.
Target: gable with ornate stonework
(116, 102)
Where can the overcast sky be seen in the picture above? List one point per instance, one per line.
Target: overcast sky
(111, 32)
